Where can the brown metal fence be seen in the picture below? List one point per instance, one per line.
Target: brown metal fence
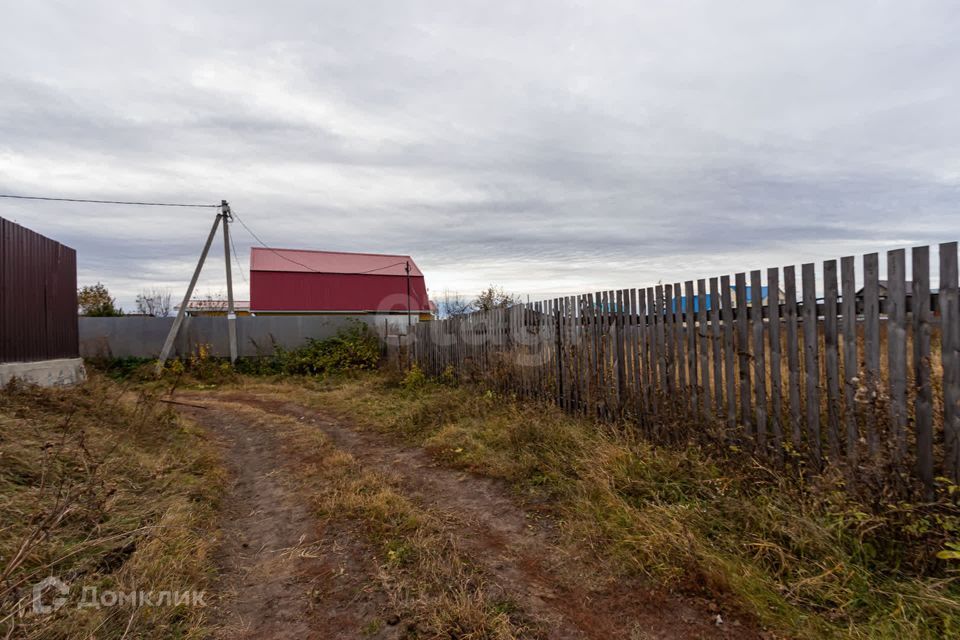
(852, 375)
(38, 296)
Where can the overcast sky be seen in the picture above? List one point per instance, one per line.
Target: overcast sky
(548, 147)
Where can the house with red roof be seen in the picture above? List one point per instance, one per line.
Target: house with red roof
(299, 282)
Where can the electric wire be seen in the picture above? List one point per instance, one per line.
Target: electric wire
(203, 206)
(236, 259)
(264, 244)
(127, 202)
(289, 259)
(395, 264)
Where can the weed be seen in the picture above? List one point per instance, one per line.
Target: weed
(413, 379)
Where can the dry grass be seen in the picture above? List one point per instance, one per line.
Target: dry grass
(806, 559)
(102, 488)
(417, 561)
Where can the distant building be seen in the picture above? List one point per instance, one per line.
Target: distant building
(294, 281)
(882, 290)
(764, 298)
(211, 307)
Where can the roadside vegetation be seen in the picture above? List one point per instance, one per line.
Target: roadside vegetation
(803, 557)
(103, 488)
(355, 348)
(806, 560)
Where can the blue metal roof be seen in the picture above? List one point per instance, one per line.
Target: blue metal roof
(611, 305)
(696, 299)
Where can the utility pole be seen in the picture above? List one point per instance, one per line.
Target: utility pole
(175, 329)
(226, 217)
(409, 317)
(231, 312)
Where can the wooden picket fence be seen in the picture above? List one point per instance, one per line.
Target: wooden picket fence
(818, 380)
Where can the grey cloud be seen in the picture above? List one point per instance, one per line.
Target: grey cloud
(541, 145)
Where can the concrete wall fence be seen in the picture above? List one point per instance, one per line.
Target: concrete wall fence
(143, 337)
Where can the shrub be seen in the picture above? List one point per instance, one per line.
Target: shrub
(356, 347)
(353, 348)
(122, 369)
(414, 378)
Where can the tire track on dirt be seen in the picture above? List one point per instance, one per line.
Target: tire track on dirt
(282, 575)
(514, 548)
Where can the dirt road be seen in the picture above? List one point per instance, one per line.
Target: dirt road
(288, 571)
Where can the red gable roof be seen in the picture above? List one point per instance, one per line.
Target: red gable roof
(304, 261)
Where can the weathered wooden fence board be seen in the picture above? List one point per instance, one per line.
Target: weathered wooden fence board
(729, 372)
(759, 359)
(639, 352)
(653, 341)
(704, 344)
(831, 355)
(716, 346)
(851, 365)
(670, 343)
(897, 350)
(743, 350)
(871, 333)
(793, 353)
(658, 312)
(811, 361)
(949, 306)
(776, 382)
(923, 408)
(681, 350)
(691, 345)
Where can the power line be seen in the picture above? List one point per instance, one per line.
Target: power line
(141, 204)
(291, 260)
(396, 264)
(236, 259)
(265, 246)
(203, 206)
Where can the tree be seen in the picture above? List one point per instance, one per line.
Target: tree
(95, 300)
(452, 305)
(154, 302)
(494, 297)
